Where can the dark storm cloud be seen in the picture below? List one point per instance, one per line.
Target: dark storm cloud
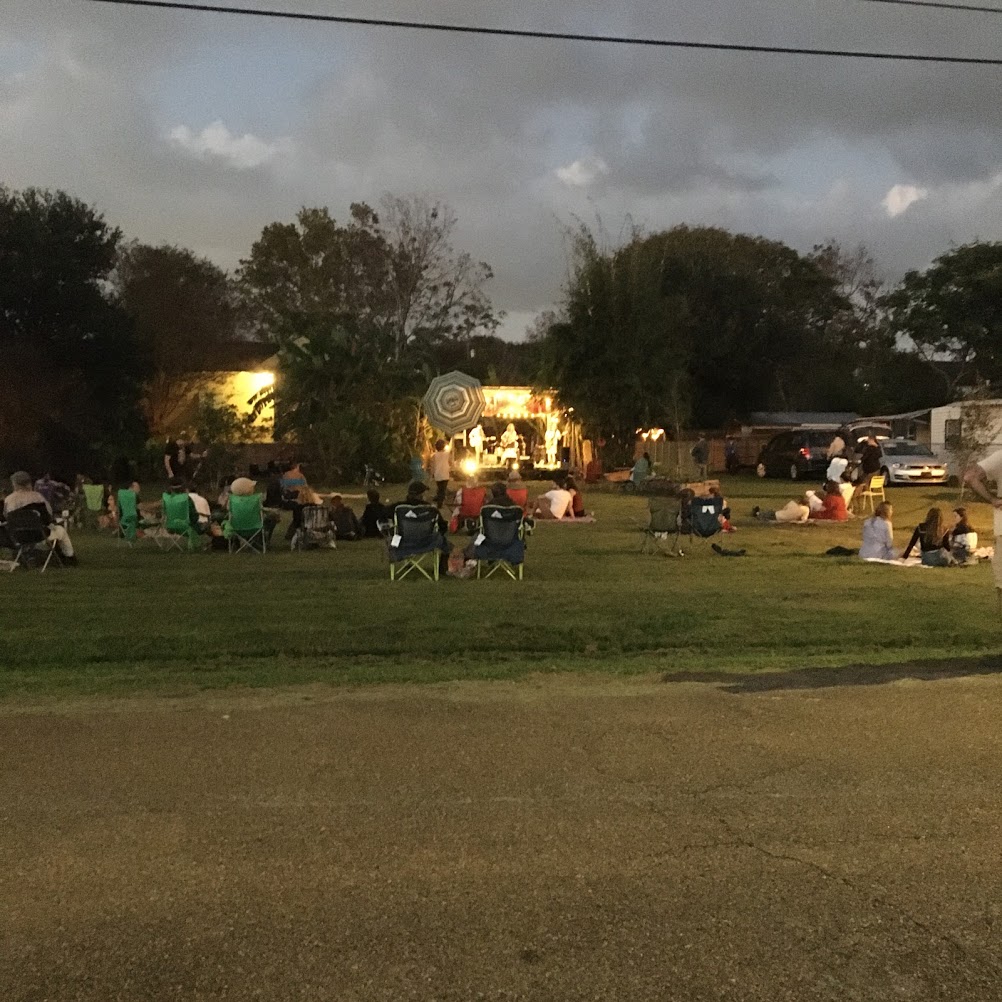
(521, 137)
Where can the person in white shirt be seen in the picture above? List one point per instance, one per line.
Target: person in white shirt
(977, 477)
(555, 503)
(203, 508)
(836, 468)
(813, 501)
(440, 468)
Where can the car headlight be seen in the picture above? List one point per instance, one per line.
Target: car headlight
(895, 466)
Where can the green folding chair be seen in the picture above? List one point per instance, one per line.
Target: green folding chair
(660, 535)
(416, 544)
(129, 519)
(93, 496)
(245, 526)
(177, 531)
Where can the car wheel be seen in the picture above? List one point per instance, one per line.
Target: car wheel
(760, 470)
(794, 472)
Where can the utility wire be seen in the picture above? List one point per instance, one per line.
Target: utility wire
(939, 5)
(564, 36)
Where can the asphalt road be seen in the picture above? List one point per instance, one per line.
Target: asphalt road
(547, 840)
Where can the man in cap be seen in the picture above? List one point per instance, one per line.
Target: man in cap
(23, 496)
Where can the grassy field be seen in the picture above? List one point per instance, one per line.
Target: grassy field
(133, 620)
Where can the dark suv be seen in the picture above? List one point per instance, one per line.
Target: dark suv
(795, 454)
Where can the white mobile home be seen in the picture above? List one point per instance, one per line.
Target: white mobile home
(948, 430)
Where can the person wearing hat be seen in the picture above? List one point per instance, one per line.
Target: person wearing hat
(245, 487)
(23, 496)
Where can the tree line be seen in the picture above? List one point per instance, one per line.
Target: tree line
(107, 342)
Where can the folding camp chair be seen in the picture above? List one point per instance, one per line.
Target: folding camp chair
(31, 540)
(315, 529)
(500, 545)
(875, 489)
(129, 519)
(417, 542)
(661, 532)
(245, 526)
(177, 532)
(699, 519)
(93, 497)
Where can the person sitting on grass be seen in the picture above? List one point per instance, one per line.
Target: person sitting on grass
(963, 538)
(556, 503)
(846, 488)
(344, 520)
(373, 513)
(833, 508)
(878, 535)
(792, 511)
(642, 469)
(725, 511)
(577, 502)
(23, 496)
(933, 539)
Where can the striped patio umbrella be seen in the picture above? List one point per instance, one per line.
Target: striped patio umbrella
(454, 402)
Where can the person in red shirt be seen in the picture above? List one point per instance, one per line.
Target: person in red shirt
(833, 507)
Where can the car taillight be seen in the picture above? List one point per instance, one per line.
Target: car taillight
(806, 453)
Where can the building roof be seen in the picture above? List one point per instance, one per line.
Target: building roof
(792, 419)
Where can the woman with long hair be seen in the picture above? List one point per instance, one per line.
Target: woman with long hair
(878, 535)
(933, 539)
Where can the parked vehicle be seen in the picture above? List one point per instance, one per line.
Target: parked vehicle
(795, 454)
(907, 462)
(855, 434)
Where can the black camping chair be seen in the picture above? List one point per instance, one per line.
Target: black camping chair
(699, 519)
(33, 546)
(500, 544)
(417, 542)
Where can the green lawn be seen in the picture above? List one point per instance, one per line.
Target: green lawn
(129, 620)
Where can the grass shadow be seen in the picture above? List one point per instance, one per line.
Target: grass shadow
(830, 678)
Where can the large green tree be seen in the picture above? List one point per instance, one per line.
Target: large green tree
(952, 314)
(362, 313)
(71, 376)
(393, 271)
(695, 324)
(184, 309)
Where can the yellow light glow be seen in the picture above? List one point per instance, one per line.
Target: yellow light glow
(469, 467)
(261, 380)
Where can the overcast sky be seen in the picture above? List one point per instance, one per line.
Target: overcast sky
(199, 129)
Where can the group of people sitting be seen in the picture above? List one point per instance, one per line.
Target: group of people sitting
(832, 505)
(941, 540)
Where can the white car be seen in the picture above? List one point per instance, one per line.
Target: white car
(907, 462)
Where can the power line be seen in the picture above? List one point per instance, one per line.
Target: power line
(563, 36)
(939, 5)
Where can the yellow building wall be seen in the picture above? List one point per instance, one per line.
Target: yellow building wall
(239, 389)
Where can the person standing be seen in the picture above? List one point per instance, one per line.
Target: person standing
(701, 454)
(870, 458)
(977, 477)
(440, 467)
(180, 459)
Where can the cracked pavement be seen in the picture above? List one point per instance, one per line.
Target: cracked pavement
(552, 839)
